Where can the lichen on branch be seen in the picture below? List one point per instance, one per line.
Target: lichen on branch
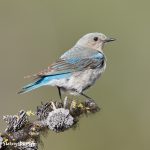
(23, 133)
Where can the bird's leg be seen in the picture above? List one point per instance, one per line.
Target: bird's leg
(89, 98)
(59, 91)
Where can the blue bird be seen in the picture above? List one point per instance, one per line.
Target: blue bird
(77, 69)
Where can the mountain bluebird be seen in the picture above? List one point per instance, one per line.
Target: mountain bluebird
(77, 69)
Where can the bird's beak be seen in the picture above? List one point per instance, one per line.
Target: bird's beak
(109, 40)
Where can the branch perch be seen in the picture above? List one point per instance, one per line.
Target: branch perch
(23, 133)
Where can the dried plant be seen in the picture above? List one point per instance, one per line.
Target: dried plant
(23, 133)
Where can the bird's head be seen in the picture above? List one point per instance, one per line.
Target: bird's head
(94, 40)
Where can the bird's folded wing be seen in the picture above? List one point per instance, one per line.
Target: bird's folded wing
(71, 65)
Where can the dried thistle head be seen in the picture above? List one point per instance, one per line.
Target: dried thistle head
(15, 122)
(59, 120)
(43, 110)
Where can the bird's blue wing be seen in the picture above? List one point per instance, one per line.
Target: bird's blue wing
(73, 64)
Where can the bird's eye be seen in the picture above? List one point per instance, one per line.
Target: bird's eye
(95, 39)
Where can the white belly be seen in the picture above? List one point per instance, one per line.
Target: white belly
(83, 80)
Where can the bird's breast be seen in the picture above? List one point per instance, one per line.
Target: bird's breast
(82, 80)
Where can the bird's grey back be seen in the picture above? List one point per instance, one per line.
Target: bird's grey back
(79, 52)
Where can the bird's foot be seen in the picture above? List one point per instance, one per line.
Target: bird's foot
(92, 105)
(90, 101)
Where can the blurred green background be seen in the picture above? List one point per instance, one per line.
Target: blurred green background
(34, 33)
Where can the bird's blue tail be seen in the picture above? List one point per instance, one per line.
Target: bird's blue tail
(42, 81)
(31, 86)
